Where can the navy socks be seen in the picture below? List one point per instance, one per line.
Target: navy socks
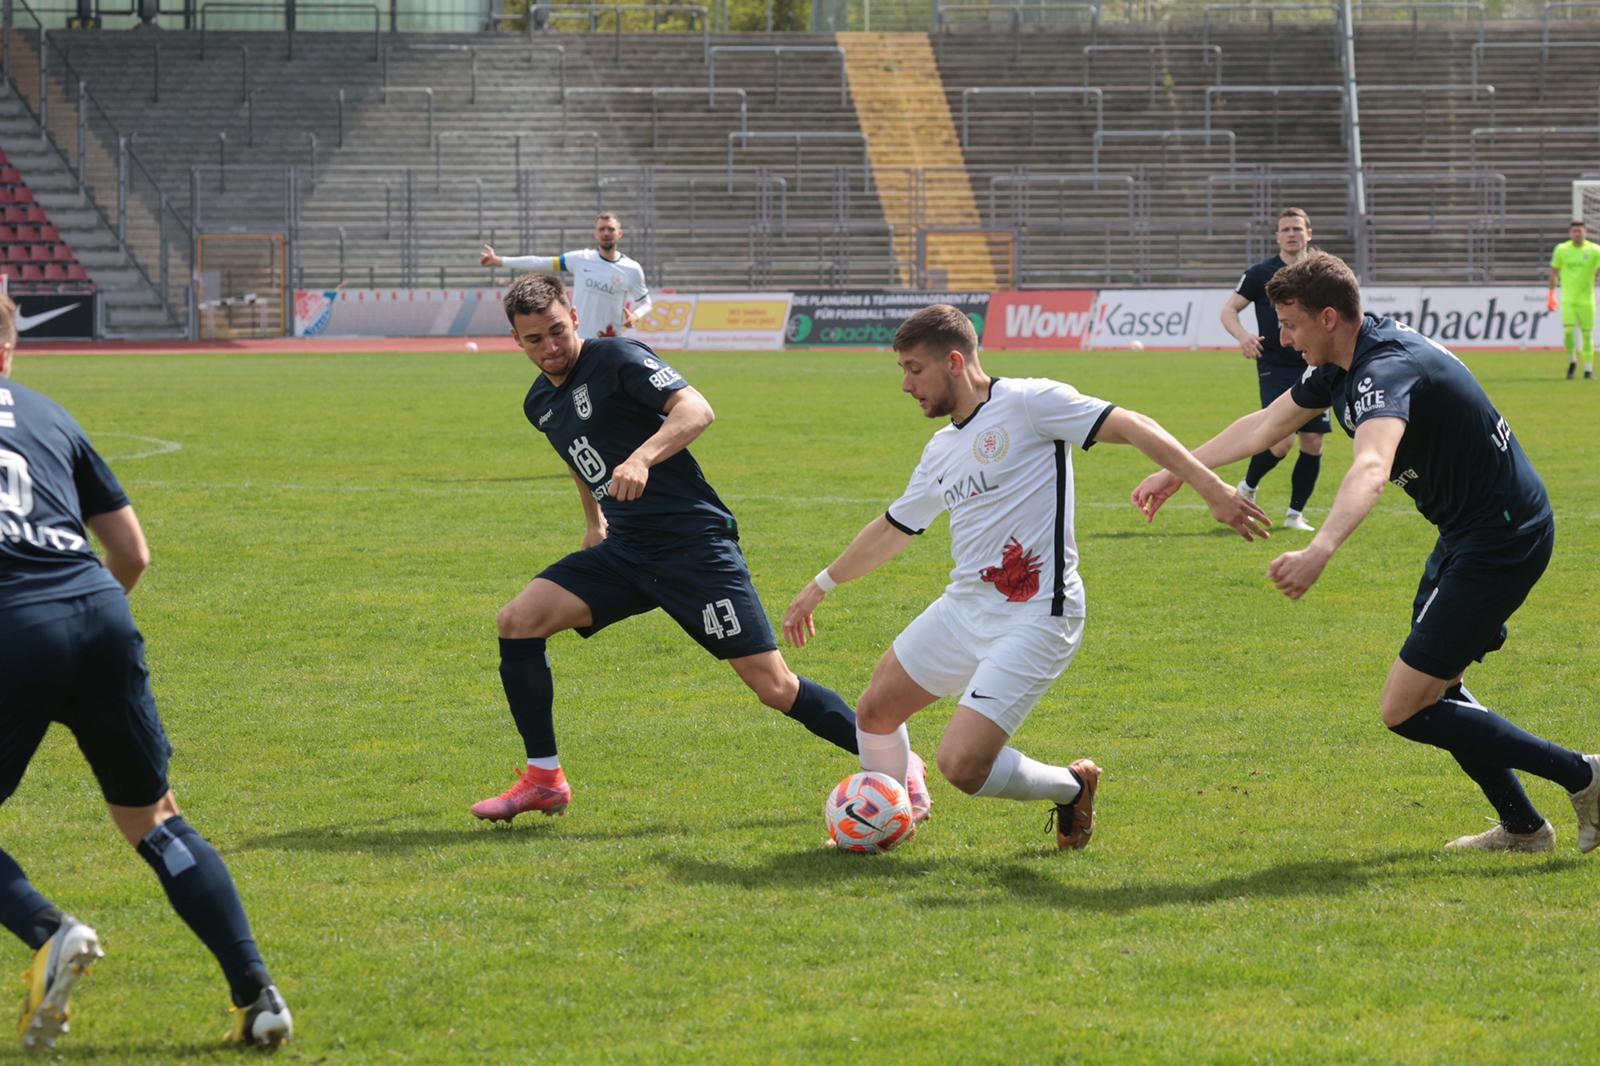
(826, 714)
(1488, 748)
(200, 889)
(1303, 481)
(1260, 464)
(530, 692)
(22, 909)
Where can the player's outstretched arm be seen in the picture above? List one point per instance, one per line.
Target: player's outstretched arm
(127, 555)
(879, 541)
(688, 414)
(1255, 432)
(1376, 441)
(1123, 426)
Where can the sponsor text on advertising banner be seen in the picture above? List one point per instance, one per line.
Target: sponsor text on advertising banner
(666, 327)
(725, 321)
(819, 319)
(1042, 320)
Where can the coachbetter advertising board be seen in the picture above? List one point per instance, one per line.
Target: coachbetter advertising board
(868, 319)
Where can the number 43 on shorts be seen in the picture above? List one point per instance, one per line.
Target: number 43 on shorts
(720, 619)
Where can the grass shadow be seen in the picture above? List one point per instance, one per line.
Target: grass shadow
(381, 837)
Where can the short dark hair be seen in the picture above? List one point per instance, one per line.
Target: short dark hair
(533, 294)
(8, 320)
(938, 326)
(1295, 212)
(1319, 280)
(1579, 222)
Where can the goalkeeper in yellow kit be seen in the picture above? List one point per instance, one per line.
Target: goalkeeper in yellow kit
(1573, 265)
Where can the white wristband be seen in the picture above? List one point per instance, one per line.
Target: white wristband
(825, 581)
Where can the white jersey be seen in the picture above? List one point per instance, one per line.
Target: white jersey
(601, 287)
(1005, 476)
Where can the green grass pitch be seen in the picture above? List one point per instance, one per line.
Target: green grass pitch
(1267, 885)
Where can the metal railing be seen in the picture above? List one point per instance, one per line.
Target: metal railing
(654, 96)
(290, 27)
(592, 12)
(1211, 56)
(426, 92)
(470, 51)
(1083, 92)
(777, 51)
(1165, 138)
(1481, 48)
(800, 139)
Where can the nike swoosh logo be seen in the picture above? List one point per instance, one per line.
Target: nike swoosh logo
(850, 813)
(27, 322)
(980, 696)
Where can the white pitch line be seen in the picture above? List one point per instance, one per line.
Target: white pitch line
(564, 490)
(161, 447)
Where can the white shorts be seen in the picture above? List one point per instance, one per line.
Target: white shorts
(997, 664)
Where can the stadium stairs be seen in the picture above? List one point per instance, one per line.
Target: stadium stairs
(93, 258)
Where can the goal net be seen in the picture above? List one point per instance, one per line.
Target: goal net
(1586, 202)
(243, 286)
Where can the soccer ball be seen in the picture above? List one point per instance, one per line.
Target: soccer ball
(868, 813)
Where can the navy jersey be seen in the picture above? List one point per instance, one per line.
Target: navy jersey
(608, 406)
(1253, 287)
(51, 481)
(1458, 459)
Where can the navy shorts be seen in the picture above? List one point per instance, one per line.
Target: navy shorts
(1465, 597)
(1275, 380)
(80, 662)
(705, 588)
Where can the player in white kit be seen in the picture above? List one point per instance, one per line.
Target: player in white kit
(1011, 618)
(609, 293)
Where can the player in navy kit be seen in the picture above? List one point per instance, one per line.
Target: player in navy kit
(70, 653)
(1420, 420)
(1278, 368)
(656, 535)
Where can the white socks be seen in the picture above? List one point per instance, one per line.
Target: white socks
(552, 762)
(1014, 776)
(885, 753)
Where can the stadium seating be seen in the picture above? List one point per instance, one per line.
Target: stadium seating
(35, 256)
(1160, 156)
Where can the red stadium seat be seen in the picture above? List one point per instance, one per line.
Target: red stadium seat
(27, 234)
(10, 176)
(14, 253)
(61, 253)
(35, 213)
(7, 234)
(49, 234)
(75, 272)
(21, 194)
(55, 272)
(30, 272)
(39, 253)
(6, 196)
(3, 159)
(13, 214)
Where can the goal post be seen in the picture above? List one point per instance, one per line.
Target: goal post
(244, 286)
(1586, 202)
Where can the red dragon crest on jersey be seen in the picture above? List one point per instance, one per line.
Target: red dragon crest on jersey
(1017, 576)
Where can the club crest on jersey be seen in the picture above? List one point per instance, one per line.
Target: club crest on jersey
(580, 401)
(991, 445)
(1364, 385)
